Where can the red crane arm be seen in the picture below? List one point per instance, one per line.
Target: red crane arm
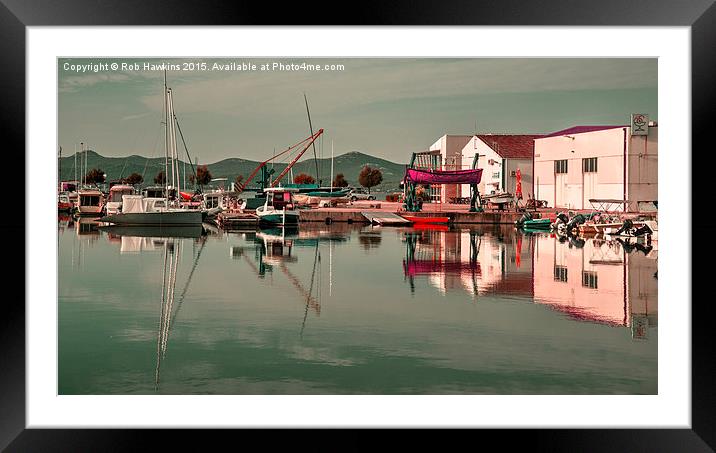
(310, 140)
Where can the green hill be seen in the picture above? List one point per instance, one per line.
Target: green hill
(350, 164)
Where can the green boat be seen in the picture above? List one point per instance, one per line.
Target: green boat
(535, 224)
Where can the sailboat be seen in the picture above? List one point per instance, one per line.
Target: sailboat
(140, 210)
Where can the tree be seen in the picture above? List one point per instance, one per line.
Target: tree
(303, 178)
(161, 178)
(95, 176)
(370, 177)
(134, 178)
(340, 181)
(203, 175)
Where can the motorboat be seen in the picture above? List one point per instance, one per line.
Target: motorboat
(114, 202)
(63, 202)
(90, 202)
(279, 207)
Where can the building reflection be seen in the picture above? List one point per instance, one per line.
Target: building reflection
(590, 280)
(476, 261)
(602, 281)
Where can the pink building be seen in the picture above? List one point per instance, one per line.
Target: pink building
(598, 282)
(581, 163)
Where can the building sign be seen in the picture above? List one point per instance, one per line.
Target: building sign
(639, 124)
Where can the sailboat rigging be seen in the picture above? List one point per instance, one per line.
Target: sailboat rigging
(164, 210)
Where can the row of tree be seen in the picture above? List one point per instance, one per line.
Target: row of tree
(368, 177)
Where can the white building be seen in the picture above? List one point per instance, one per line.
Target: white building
(500, 157)
(585, 163)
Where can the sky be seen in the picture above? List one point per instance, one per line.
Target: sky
(384, 107)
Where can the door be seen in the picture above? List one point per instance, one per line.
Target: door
(560, 190)
(589, 185)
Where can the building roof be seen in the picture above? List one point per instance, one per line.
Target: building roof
(511, 146)
(580, 130)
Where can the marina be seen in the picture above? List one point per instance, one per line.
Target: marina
(228, 238)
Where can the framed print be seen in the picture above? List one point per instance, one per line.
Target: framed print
(453, 225)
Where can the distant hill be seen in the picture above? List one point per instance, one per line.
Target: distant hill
(350, 164)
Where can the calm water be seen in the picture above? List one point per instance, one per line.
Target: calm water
(353, 309)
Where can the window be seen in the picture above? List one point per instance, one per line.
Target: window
(560, 166)
(560, 273)
(496, 175)
(589, 165)
(589, 279)
(89, 200)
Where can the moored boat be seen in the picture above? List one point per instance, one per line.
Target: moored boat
(114, 202)
(90, 202)
(543, 224)
(63, 202)
(417, 220)
(138, 210)
(279, 207)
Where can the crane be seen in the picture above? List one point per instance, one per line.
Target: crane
(303, 145)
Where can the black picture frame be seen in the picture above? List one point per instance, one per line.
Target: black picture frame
(16, 15)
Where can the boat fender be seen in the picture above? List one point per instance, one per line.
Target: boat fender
(329, 220)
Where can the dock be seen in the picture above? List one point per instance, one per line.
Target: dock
(384, 218)
(363, 213)
(229, 220)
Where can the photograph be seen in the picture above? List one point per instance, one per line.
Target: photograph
(357, 226)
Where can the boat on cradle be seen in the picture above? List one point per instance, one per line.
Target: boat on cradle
(279, 207)
(418, 220)
(63, 202)
(90, 202)
(323, 197)
(114, 203)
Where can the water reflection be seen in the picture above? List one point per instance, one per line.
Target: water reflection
(479, 261)
(241, 308)
(593, 280)
(599, 281)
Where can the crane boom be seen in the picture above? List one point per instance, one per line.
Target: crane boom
(307, 141)
(310, 140)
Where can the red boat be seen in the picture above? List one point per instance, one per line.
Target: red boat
(63, 203)
(419, 220)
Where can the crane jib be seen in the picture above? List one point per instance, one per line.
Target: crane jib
(307, 142)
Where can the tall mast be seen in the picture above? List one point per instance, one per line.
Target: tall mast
(310, 126)
(166, 141)
(82, 164)
(331, 165)
(76, 182)
(172, 140)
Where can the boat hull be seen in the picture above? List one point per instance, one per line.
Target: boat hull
(278, 219)
(155, 218)
(419, 220)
